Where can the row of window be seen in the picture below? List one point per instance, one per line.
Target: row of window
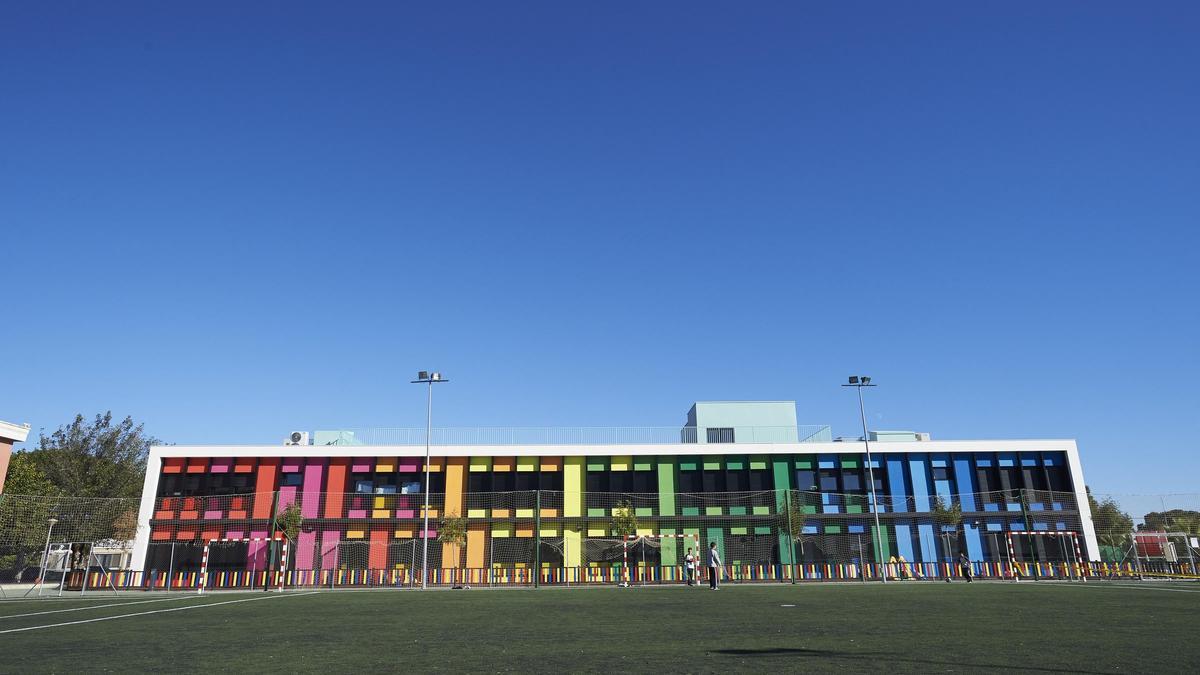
(990, 476)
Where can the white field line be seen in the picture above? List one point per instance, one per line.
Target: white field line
(81, 609)
(1140, 588)
(152, 611)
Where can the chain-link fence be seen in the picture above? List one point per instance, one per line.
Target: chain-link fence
(554, 537)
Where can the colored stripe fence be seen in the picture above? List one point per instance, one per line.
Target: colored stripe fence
(401, 578)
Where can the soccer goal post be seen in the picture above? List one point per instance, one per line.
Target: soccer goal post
(1066, 541)
(202, 582)
(656, 541)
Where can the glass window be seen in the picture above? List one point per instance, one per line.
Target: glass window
(760, 480)
(689, 482)
(364, 486)
(735, 480)
(806, 480)
(852, 480)
(527, 480)
(644, 482)
(479, 482)
(829, 482)
(714, 481)
(503, 481)
(597, 481)
(620, 481)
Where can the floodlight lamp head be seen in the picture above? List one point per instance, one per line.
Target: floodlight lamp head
(52, 521)
(435, 376)
(866, 380)
(853, 379)
(423, 375)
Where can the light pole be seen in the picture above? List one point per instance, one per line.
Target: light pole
(426, 377)
(46, 556)
(858, 382)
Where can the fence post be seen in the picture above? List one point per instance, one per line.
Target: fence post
(537, 539)
(170, 568)
(1137, 558)
(271, 541)
(787, 500)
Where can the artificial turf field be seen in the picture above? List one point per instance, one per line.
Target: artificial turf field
(901, 627)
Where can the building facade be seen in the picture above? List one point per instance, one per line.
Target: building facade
(779, 500)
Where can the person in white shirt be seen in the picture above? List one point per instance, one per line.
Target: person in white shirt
(689, 568)
(714, 566)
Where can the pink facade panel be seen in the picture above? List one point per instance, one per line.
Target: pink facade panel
(362, 464)
(329, 549)
(291, 464)
(305, 548)
(256, 556)
(408, 464)
(310, 503)
(221, 465)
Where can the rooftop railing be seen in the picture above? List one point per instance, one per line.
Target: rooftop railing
(575, 435)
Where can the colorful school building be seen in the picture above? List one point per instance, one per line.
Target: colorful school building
(540, 504)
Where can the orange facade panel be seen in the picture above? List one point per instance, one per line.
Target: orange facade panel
(264, 487)
(197, 465)
(551, 463)
(243, 465)
(173, 464)
(504, 463)
(335, 488)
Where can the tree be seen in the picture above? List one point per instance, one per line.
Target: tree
(792, 517)
(26, 505)
(1113, 526)
(96, 459)
(453, 532)
(1175, 520)
(623, 524)
(288, 520)
(947, 517)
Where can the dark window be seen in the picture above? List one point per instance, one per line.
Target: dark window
(714, 481)
(760, 480)
(829, 482)
(941, 473)
(620, 481)
(735, 480)
(720, 434)
(550, 480)
(503, 481)
(526, 480)
(479, 482)
(292, 479)
(689, 482)
(806, 480)
(852, 480)
(1056, 478)
(597, 481)
(644, 482)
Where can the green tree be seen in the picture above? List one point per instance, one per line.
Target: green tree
(947, 517)
(453, 531)
(623, 524)
(95, 459)
(288, 520)
(1113, 526)
(792, 517)
(25, 507)
(1175, 520)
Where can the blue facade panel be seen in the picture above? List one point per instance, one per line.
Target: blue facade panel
(896, 487)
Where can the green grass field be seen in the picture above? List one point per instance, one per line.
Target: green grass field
(910, 627)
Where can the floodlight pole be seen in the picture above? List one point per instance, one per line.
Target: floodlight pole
(859, 383)
(428, 378)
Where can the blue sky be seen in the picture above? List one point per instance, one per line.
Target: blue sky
(232, 222)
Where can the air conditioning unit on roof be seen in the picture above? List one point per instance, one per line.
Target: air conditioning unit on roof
(297, 438)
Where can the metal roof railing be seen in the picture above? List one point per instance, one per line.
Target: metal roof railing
(442, 436)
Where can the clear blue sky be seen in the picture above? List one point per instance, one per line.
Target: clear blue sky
(232, 222)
